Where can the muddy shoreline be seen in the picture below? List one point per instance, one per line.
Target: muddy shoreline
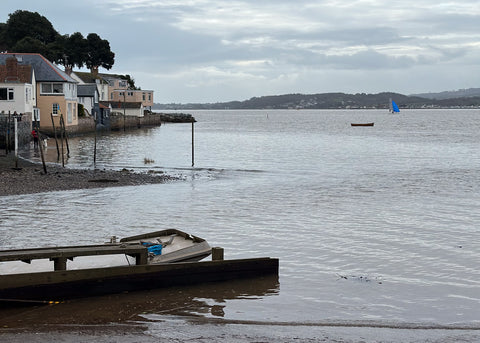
(25, 177)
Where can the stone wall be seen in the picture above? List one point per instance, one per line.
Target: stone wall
(148, 120)
(85, 125)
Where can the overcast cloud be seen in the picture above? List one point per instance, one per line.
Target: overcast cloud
(215, 51)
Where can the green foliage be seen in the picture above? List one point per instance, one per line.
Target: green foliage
(23, 24)
(3, 43)
(29, 32)
(81, 111)
(98, 53)
(75, 47)
(29, 45)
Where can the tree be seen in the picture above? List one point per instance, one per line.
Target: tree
(55, 51)
(98, 53)
(75, 50)
(30, 32)
(22, 24)
(29, 45)
(3, 44)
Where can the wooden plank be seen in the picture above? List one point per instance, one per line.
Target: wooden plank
(61, 285)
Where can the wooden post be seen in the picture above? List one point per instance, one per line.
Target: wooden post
(193, 144)
(16, 140)
(142, 258)
(217, 254)
(61, 142)
(59, 263)
(40, 146)
(124, 113)
(55, 134)
(95, 142)
(65, 133)
(7, 135)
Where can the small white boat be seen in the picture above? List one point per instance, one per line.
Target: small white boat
(171, 245)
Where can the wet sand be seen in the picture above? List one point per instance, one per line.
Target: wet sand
(24, 177)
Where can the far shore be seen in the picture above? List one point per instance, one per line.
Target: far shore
(25, 177)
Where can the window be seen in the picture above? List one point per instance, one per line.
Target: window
(69, 113)
(52, 88)
(7, 94)
(130, 93)
(55, 109)
(149, 96)
(143, 96)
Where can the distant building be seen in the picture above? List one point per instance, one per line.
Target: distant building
(113, 89)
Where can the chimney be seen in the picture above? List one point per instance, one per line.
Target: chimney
(12, 69)
(68, 70)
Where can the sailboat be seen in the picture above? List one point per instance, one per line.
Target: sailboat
(393, 107)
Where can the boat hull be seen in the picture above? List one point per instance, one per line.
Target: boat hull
(362, 124)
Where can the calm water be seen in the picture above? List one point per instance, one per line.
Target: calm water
(371, 224)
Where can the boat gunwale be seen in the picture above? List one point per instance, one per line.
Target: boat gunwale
(166, 232)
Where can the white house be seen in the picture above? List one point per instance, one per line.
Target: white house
(17, 87)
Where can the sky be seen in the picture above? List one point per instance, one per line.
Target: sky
(206, 51)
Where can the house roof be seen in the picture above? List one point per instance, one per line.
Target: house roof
(88, 77)
(86, 90)
(44, 69)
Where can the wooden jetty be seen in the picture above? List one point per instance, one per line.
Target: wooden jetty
(62, 284)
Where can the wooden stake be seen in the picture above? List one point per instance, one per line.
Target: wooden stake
(193, 144)
(65, 133)
(95, 143)
(40, 146)
(55, 134)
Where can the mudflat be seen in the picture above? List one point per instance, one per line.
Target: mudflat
(24, 177)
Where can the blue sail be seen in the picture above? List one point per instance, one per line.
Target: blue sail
(395, 107)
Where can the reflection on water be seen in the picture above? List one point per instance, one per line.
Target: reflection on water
(206, 300)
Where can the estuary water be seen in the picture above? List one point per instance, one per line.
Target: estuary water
(374, 226)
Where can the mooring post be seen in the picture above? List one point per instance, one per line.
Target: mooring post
(55, 135)
(193, 143)
(40, 146)
(16, 140)
(217, 254)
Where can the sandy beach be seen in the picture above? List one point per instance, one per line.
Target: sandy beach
(24, 177)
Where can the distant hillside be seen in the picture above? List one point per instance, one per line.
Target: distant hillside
(461, 93)
(330, 101)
